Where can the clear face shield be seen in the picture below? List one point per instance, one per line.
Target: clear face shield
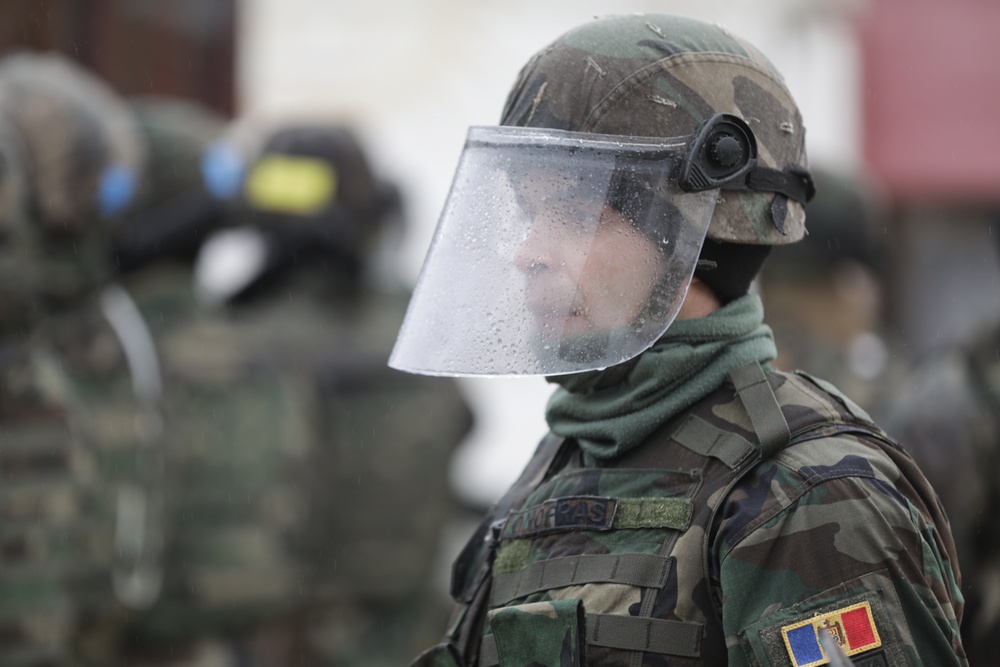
(560, 252)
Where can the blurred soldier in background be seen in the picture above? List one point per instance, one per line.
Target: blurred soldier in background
(277, 493)
(80, 377)
(948, 414)
(40, 502)
(824, 296)
(174, 213)
(307, 485)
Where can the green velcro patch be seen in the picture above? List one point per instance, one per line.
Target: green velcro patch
(512, 556)
(675, 513)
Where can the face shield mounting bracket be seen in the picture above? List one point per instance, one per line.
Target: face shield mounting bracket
(723, 151)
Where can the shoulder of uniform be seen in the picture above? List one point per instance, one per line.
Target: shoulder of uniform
(831, 438)
(804, 397)
(835, 456)
(830, 434)
(849, 466)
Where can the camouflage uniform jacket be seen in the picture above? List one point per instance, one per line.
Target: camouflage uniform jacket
(772, 507)
(51, 522)
(42, 510)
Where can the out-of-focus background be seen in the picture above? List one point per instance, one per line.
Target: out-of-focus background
(902, 93)
(900, 98)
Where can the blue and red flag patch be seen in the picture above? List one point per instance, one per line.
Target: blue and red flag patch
(852, 627)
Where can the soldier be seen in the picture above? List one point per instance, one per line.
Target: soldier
(77, 407)
(38, 445)
(946, 413)
(824, 296)
(174, 212)
(308, 480)
(691, 505)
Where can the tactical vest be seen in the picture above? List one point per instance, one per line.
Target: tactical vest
(615, 561)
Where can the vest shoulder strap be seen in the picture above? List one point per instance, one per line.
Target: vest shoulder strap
(762, 406)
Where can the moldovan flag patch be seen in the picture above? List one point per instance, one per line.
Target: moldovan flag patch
(852, 627)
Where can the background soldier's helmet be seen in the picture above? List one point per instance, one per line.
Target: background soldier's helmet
(173, 212)
(176, 134)
(844, 220)
(300, 195)
(661, 76)
(317, 174)
(78, 144)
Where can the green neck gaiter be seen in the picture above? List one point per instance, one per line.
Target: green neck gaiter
(611, 411)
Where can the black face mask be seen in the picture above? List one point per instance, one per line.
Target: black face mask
(729, 268)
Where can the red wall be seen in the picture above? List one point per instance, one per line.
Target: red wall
(931, 76)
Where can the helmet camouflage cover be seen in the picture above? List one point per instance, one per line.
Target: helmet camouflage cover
(79, 148)
(176, 133)
(652, 75)
(73, 128)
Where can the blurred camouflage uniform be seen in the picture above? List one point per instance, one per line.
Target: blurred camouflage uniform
(947, 412)
(307, 480)
(693, 506)
(40, 504)
(824, 295)
(74, 419)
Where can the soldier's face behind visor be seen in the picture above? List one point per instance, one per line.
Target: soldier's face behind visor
(588, 270)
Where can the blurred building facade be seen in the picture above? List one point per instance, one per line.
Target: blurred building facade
(931, 97)
(183, 48)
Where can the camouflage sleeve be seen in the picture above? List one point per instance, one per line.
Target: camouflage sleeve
(831, 534)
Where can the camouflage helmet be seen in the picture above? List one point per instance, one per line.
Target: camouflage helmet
(652, 75)
(80, 150)
(176, 133)
(344, 189)
(299, 193)
(283, 176)
(81, 146)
